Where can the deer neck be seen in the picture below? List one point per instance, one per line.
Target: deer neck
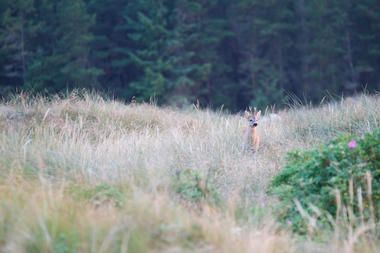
(253, 132)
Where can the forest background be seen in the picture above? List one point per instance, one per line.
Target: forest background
(218, 52)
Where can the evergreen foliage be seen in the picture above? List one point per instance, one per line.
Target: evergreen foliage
(232, 53)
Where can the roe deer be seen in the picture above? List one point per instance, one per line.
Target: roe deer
(251, 137)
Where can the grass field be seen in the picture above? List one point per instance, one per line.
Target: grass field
(84, 174)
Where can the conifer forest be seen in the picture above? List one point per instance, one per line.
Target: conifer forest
(177, 52)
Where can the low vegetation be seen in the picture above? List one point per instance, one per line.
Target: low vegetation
(345, 171)
(85, 174)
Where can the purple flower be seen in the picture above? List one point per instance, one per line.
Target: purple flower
(352, 144)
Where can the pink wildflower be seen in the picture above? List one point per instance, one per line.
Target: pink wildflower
(352, 144)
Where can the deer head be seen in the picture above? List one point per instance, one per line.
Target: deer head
(252, 116)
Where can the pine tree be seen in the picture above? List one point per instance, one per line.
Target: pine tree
(266, 39)
(17, 27)
(61, 58)
(147, 28)
(109, 46)
(364, 38)
(158, 54)
(205, 32)
(324, 51)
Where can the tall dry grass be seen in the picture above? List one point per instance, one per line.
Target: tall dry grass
(84, 174)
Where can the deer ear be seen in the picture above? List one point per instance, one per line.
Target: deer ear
(246, 114)
(258, 114)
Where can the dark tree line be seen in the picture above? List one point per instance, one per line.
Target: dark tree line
(220, 52)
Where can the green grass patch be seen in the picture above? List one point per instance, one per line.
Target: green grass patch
(100, 194)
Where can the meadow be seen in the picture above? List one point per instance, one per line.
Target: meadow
(88, 174)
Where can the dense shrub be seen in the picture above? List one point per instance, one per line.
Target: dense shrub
(312, 178)
(190, 186)
(100, 194)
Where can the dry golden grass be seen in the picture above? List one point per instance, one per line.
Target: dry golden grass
(84, 174)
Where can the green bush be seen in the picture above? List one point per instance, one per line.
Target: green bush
(100, 194)
(190, 185)
(312, 177)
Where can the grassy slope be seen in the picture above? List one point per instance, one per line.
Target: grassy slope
(96, 176)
